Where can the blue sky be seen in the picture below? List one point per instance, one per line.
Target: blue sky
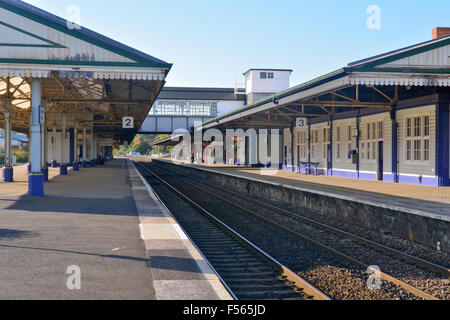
(210, 42)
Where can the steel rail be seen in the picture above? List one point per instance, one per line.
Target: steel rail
(410, 258)
(285, 273)
(232, 294)
(417, 292)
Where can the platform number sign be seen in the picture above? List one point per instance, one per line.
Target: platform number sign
(301, 123)
(128, 123)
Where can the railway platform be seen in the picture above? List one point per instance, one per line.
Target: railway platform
(418, 213)
(99, 233)
(424, 200)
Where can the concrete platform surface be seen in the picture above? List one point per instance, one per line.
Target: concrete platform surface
(86, 231)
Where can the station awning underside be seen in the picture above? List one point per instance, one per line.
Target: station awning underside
(379, 82)
(106, 101)
(94, 79)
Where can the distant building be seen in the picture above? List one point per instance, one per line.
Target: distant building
(181, 107)
(260, 83)
(17, 141)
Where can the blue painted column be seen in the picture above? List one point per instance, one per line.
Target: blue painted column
(75, 150)
(330, 150)
(63, 166)
(308, 168)
(394, 141)
(44, 168)
(8, 171)
(54, 162)
(292, 148)
(35, 179)
(71, 147)
(358, 120)
(442, 143)
(84, 161)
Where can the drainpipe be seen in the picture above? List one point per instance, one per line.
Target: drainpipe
(394, 140)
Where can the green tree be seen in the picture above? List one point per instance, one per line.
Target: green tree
(143, 148)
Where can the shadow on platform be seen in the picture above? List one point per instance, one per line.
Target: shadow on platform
(94, 206)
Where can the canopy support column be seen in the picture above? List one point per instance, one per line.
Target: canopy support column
(36, 179)
(54, 162)
(330, 149)
(63, 166)
(29, 143)
(84, 148)
(8, 171)
(292, 147)
(44, 168)
(75, 149)
(394, 140)
(93, 155)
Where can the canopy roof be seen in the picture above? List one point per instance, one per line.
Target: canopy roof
(95, 79)
(376, 82)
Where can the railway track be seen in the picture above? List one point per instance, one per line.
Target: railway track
(247, 271)
(395, 261)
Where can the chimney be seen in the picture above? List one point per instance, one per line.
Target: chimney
(440, 32)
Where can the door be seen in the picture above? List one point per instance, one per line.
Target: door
(380, 161)
(298, 158)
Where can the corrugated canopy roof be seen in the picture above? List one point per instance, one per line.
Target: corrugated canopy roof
(186, 93)
(368, 73)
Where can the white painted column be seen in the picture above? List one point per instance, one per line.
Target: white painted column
(36, 126)
(93, 155)
(84, 144)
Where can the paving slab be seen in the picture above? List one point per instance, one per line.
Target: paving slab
(78, 223)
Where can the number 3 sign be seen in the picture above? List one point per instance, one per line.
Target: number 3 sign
(301, 123)
(128, 123)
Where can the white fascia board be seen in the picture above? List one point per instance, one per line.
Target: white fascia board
(99, 72)
(402, 79)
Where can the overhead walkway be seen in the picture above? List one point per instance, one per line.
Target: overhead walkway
(103, 221)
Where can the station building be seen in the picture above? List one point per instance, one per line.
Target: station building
(381, 118)
(70, 89)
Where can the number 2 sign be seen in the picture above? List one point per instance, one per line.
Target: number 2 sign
(128, 123)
